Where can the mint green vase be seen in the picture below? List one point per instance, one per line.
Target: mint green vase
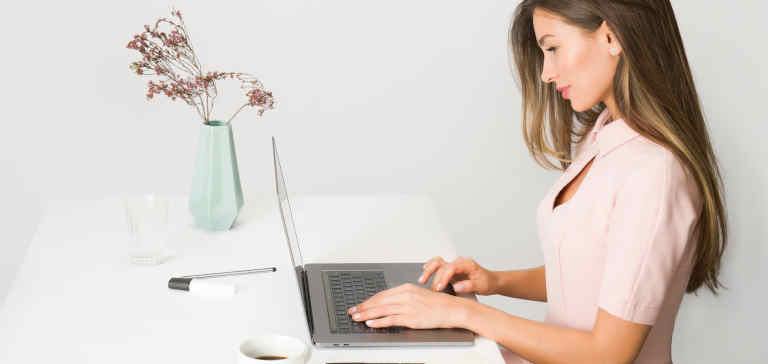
(216, 196)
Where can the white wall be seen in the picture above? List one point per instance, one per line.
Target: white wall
(372, 96)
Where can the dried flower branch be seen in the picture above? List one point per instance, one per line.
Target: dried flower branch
(170, 55)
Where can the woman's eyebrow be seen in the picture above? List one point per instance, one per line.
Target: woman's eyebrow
(544, 36)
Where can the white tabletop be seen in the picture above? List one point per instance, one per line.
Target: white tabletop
(77, 298)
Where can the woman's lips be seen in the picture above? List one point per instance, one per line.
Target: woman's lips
(565, 92)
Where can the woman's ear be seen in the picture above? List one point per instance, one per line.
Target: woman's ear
(609, 39)
(615, 47)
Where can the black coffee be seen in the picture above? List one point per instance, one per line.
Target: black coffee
(271, 357)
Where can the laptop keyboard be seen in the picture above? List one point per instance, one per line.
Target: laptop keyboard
(345, 289)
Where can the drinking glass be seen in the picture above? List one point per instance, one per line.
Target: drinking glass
(148, 228)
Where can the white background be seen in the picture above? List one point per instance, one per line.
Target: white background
(371, 97)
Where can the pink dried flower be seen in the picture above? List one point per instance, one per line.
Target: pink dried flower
(170, 55)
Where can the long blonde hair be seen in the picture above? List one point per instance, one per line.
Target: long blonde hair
(654, 93)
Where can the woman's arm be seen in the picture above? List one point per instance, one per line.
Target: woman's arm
(612, 339)
(528, 284)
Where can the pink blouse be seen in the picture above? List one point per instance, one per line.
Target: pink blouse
(624, 241)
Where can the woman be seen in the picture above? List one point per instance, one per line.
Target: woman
(636, 220)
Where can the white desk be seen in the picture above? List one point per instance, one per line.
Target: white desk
(77, 299)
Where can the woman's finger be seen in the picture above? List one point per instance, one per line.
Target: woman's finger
(390, 296)
(430, 267)
(463, 286)
(464, 265)
(443, 276)
(380, 311)
(395, 320)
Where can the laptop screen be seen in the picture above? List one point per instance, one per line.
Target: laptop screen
(285, 211)
(293, 240)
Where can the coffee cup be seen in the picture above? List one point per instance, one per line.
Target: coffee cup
(272, 348)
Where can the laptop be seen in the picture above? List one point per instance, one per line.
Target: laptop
(328, 290)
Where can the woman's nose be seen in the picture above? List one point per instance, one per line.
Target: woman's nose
(546, 73)
(546, 77)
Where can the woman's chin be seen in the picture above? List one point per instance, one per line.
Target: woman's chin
(574, 106)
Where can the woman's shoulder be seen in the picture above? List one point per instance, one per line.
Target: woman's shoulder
(644, 162)
(641, 155)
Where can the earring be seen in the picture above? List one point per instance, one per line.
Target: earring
(613, 51)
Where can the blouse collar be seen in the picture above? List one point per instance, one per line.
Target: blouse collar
(609, 136)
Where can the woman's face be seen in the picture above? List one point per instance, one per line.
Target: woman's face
(581, 62)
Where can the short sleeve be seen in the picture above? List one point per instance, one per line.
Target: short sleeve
(649, 230)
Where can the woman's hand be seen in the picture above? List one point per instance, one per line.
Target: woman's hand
(464, 273)
(412, 306)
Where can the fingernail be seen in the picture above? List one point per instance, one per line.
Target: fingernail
(421, 277)
(369, 322)
(439, 286)
(356, 316)
(353, 309)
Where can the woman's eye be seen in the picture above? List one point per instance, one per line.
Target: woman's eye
(551, 49)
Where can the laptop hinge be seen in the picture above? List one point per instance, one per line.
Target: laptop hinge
(307, 305)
